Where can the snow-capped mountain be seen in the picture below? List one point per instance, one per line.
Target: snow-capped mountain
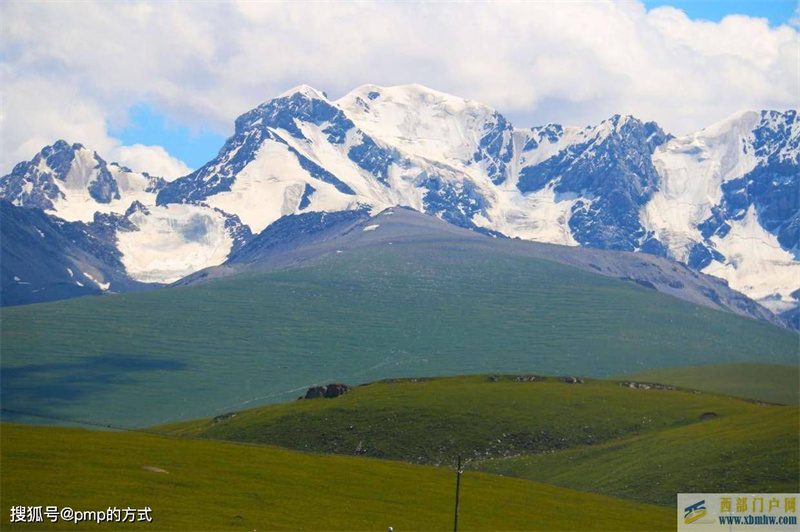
(73, 183)
(44, 258)
(729, 203)
(156, 244)
(723, 200)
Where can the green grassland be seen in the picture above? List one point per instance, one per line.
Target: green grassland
(208, 485)
(754, 452)
(435, 420)
(774, 383)
(642, 444)
(402, 310)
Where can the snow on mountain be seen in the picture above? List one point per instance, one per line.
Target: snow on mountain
(435, 126)
(172, 242)
(723, 200)
(728, 203)
(157, 244)
(73, 183)
(44, 258)
(692, 170)
(287, 155)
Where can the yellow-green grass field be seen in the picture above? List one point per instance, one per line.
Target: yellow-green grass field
(211, 485)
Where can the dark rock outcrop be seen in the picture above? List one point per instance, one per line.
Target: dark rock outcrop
(327, 392)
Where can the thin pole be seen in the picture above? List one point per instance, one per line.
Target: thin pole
(458, 489)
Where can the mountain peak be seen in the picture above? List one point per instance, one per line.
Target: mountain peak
(61, 145)
(410, 95)
(780, 130)
(305, 90)
(743, 120)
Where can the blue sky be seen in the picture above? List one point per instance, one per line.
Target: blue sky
(776, 11)
(149, 127)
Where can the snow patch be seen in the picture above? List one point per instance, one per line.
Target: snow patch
(101, 285)
(542, 216)
(420, 121)
(755, 263)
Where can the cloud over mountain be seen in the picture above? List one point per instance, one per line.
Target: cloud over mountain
(74, 70)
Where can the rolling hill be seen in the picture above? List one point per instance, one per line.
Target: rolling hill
(755, 452)
(206, 485)
(614, 438)
(402, 307)
(434, 420)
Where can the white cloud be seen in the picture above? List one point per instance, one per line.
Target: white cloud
(151, 159)
(72, 70)
(795, 20)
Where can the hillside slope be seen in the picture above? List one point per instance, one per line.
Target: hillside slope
(267, 488)
(750, 452)
(434, 420)
(764, 382)
(298, 240)
(44, 258)
(645, 444)
(422, 309)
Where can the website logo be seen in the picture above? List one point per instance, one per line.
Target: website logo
(694, 512)
(729, 512)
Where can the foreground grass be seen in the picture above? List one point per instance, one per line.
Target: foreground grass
(212, 485)
(753, 452)
(774, 383)
(402, 310)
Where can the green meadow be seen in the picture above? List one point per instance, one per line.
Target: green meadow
(418, 310)
(435, 420)
(754, 452)
(209, 485)
(540, 453)
(774, 383)
(644, 445)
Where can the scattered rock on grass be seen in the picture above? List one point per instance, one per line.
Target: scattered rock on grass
(154, 469)
(515, 378)
(223, 417)
(645, 385)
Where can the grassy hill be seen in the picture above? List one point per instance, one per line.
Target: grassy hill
(755, 452)
(774, 383)
(643, 444)
(434, 420)
(206, 485)
(416, 309)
